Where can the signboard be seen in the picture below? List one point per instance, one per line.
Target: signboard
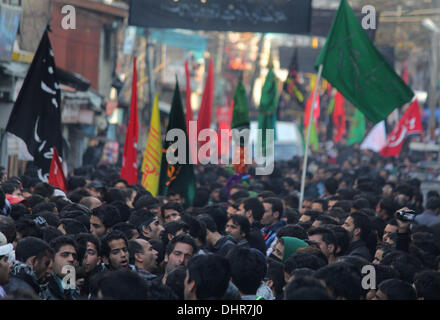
(287, 16)
(9, 21)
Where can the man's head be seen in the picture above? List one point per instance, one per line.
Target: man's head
(179, 251)
(319, 205)
(252, 209)
(273, 211)
(286, 246)
(427, 284)
(115, 250)
(91, 202)
(207, 277)
(176, 196)
(35, 253)
(6, 257)
(326, 239)
(433, 204)
(65, 251)
(103, 218)
(142, 254)
(173, 229)
(358, 226)
(394, 289)
(89, 251)
(248, 268)
(171, 211)
(238, 227)
(390, 228)
(147, 224)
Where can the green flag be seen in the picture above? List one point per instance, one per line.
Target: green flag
(314, 141)
(357, 129)
(267, 116)
(180, 176)
(353, 65)
(240, 114)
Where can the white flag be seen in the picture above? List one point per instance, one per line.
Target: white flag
(376, 138)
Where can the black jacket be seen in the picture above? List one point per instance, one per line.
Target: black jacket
(22, 278)
(360, 249)
(222, 246)
(55, 292)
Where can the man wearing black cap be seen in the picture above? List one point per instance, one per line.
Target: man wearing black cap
(147, 224)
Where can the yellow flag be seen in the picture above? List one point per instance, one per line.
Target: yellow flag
(153, 152)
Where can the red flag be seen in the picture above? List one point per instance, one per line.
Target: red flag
(339, 116)
(205, 113)
(189, 114)
(56, 174)
(410, 123)
(129, 169)
(316, 111)
(405, 74)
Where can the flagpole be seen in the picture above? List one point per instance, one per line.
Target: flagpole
(306, 154)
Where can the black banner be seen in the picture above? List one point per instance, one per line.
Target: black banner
(280, 16)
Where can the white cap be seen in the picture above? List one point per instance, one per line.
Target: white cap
(5, 247)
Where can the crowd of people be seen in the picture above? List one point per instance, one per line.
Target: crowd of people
(106, 239)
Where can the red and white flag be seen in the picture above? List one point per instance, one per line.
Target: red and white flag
(56, 173)
(410, 123)
(129, 170)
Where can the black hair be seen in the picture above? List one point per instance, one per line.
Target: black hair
(64, 240)
(141, 217)
(34, 200)
(248, 268)
(327, 235)
(77, 195)
(427, 285)
(109, 237)
(126, 228)
(182, 238)
(323, 203)
(325, 219)
(218, 214)
(123, 208)
(28, 228)
(114, 194)
(82, 239)
(433, 203)
(275, 272)
(255, 206)
(50, 233)
(277, 205)
(406, 264)
(302, 259)
(176, 281)
(344, 204)
(79, 216)
(361, 203)
(240, 220)
(171, 205)
(396, 289)
(108, 214)
(208, 221)
(43, 206)
(133, 248)
(172, 228)
(342, 279)
(18, 210)
(211, 274)
(156, 290)
(51, 218)
(331, 185)
(362, 221)
(75, 182)
(44, 189)
(305, 288)
(32, 246)
(122, 285)
(7, 227)
(292, 215)
(292, 201)
(292, 230)
(72, 226)
(197, 229)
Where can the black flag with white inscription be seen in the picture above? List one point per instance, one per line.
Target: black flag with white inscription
(36, 115)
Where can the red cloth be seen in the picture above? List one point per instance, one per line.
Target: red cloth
(189, 114)
(410, 123)
(339, 116)
(205, 113)
(129, 170)
(56, 173)
(316, 111)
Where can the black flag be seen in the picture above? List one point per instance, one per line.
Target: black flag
(36, 116)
